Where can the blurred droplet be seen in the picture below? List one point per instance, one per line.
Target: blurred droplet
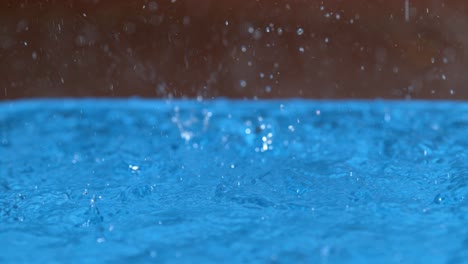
(22, 25)
(129, 27)
(243, 83)
(152, 6)
(279, 31)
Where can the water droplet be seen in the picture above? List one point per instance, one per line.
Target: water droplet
(279, 31)
(243, 83)
(300, 31)
(133, 167)
(186, 135)
(407, 10)
(152, 6)
(129, 28)
(438, 199)
(257, 34)
(186, 20)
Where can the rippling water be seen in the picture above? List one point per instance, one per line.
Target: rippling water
(243, 181)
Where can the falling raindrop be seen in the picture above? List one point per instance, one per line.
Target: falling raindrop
(152, 6)
(300, 31)
(279, 31)
(243, 83)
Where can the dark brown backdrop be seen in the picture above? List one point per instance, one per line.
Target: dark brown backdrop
(241, 48)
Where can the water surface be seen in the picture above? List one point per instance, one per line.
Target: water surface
(244, 181)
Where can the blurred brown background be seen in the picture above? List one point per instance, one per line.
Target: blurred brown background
(242, 48)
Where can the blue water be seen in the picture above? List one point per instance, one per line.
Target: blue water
(238, 181)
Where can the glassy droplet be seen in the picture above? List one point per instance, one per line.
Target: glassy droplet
(439, 198)
(300, 31)
(134, 167)
(243, 83)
